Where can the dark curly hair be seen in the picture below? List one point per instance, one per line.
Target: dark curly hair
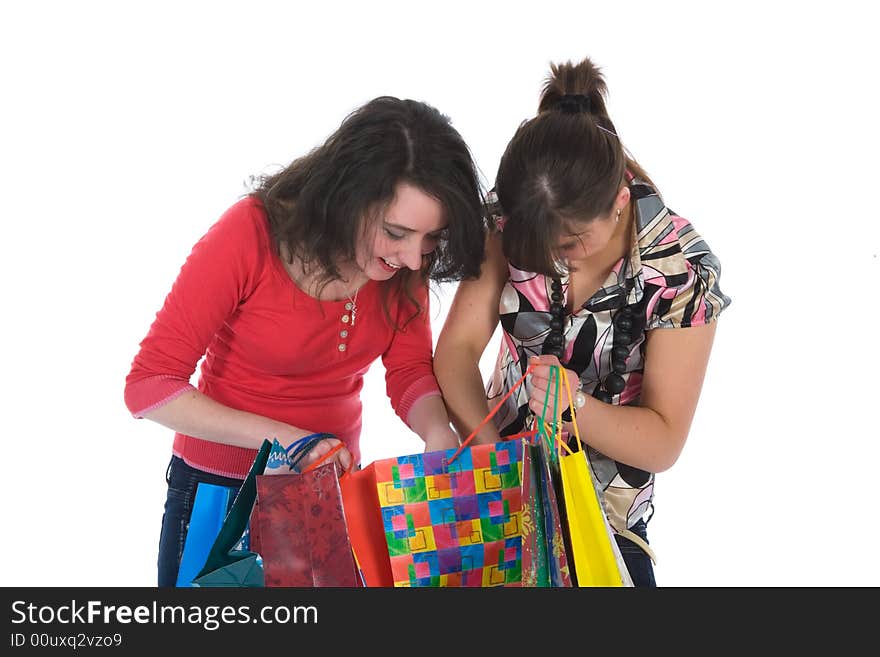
(317, 205)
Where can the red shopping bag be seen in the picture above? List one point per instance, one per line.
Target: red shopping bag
(301, 529)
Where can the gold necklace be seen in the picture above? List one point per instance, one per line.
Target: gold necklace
(351, 306)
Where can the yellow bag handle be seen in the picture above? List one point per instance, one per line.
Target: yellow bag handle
(574, 423)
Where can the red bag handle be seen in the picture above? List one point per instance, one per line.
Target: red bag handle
(464, 443)
(315, 464)
(473, 433)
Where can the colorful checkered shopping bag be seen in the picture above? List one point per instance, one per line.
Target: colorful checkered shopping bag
(446, 518)
(453, 517)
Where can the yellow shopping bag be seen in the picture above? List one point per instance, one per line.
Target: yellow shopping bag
(597, 559)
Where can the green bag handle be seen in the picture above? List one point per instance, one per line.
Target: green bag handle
(237, 519)
(542, 422)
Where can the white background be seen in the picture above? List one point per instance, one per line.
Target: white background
(127, 128)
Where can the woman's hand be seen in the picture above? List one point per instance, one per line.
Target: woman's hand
(540, 381)
(441, 438)
(342, 456)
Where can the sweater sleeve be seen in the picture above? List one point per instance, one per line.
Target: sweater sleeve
(409, 371)
(218, 275)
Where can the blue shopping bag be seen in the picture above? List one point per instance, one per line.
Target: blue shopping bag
(212, 503)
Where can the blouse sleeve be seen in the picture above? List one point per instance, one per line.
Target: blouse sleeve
(409, 370)
(699, 299)
(217, 276)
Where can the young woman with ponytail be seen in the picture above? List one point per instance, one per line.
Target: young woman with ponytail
(585, 263)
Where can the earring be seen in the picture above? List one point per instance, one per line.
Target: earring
(617, 218)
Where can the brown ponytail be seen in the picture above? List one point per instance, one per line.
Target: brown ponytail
(566, 164)
(585, 78)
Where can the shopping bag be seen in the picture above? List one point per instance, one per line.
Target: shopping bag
(535, 565)
(596, 556)
(210, 506)
(278, 463)
(445, 518)
(303, 536)
(226, 565)
(365, 529)
(283, 460)
(452, 517)
(544, 549)
(558, 547)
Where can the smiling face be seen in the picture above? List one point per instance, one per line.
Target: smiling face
(409, 228)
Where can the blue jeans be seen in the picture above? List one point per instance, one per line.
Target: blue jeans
(182, 481)
(641, 570)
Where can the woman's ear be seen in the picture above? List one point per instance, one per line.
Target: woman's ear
(623, 197)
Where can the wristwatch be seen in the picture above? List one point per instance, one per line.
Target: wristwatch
(579, 397)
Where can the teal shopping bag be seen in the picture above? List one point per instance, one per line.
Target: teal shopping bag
(226, 565)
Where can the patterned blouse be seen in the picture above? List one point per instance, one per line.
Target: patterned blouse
(669, 280)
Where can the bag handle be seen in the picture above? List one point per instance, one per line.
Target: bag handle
(574, 424)
(560, 377)
(543, 428)
(298, 449)
(294, 447)
(316, 463)
(521, 434)
(466, 441)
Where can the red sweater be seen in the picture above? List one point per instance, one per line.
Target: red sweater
(269, 348)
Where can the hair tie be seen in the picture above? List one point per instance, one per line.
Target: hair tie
(573, 104)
